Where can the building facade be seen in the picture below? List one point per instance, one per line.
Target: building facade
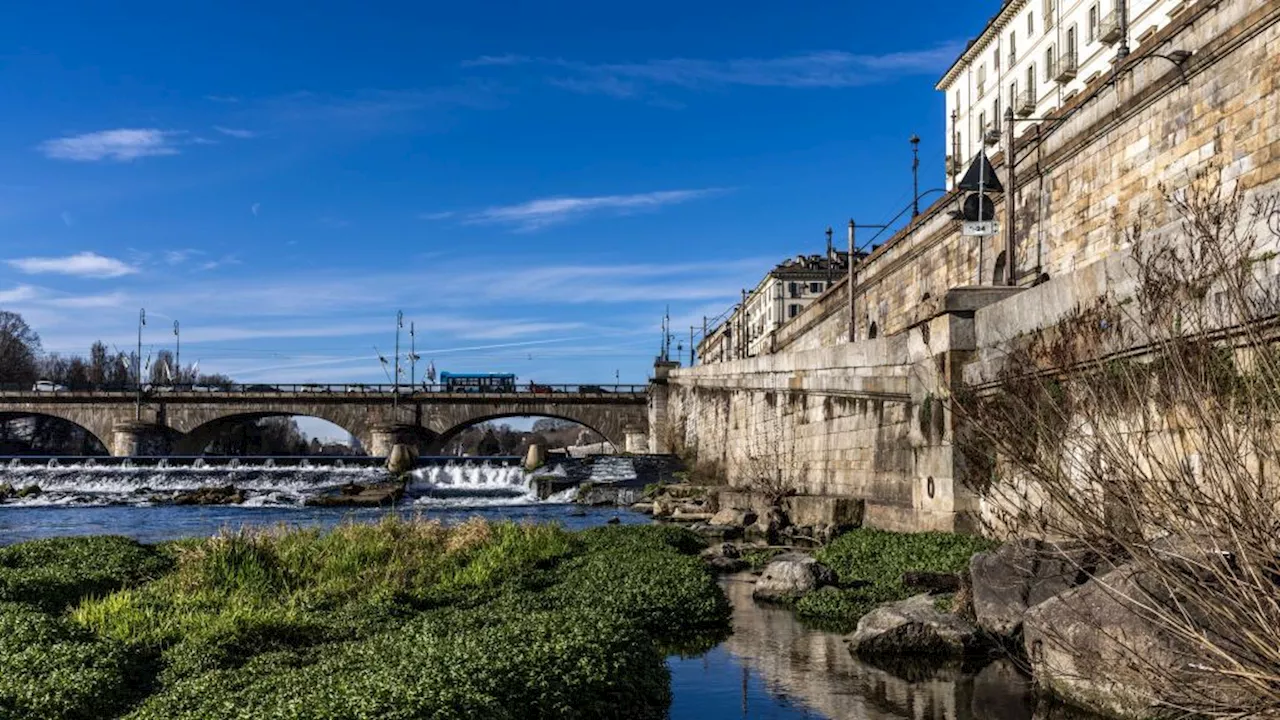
(1035, 56)
(781, 296)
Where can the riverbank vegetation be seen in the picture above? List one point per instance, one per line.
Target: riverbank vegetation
(869, 565)
(1142, 428)
(400, 619)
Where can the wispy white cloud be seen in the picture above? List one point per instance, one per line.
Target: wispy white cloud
(236, 132)
(122, 145)
(822, 69)
(445, 215)
(21, 293)
(178, 257)
(67, 219)
(221, 262)
(108, 300)
(85, 264)
(544, 212)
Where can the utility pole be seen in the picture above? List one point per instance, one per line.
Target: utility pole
(853, 318)
(137, 372)
(831, 256)
(413, 358)
(396, 377)
(915, 175)
(1010, 161)
(177, 352)
(691, 329)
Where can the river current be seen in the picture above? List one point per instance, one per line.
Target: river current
(771, 668)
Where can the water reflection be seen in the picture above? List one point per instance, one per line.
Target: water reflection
(774, 668)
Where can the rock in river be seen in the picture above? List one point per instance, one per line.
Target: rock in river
(1095, 649)
(357, 495)
(791, 577)
(225, 495)
(1020, 575)
(915, 627)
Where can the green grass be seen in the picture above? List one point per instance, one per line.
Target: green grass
(870, 564)
(400, 619)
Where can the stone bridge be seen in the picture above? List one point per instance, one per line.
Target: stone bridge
(184, 422)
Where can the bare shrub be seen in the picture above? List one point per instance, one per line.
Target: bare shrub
(1147, 426)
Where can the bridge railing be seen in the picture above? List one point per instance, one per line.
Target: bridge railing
(349, 389)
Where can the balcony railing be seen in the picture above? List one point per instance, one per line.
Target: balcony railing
(1065, 67)
(1109, 29)
(1026, 104)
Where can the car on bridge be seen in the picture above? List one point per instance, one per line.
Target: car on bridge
(48, 386)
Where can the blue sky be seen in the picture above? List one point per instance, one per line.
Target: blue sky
(531, 183)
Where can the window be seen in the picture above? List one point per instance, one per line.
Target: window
(793, 310)
(1095, 16)
(995, 59)
(995, 109)
(982, 77)
(982, 123)
(815, 287)
(1013, 48)
(1031, 82)
(1048, 64)
(793, 289)
(1031, 23)
(1013, 95)
(1071, 44)
(1050, 13)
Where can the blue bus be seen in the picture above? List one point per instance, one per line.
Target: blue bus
(478, 382)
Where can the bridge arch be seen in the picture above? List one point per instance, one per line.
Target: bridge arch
(198, 438)
(611, 419)
(442, 440)
(95, 441)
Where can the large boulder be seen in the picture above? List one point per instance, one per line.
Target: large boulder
(790, 577)
(382, 494)
(1092, 648)
(915, 627)
(225, 495)
(733, 517)
(769, 525)
(1022, 574)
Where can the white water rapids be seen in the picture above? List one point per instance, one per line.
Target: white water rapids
(449, 484)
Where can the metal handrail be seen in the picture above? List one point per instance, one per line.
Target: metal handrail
(344, 389)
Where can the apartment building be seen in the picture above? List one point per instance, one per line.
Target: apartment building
(1034, 56)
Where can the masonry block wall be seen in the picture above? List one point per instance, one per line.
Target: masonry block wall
(1103, 164)
(863, 420)
(1086, 175)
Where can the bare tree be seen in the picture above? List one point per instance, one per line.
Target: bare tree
(19, 349)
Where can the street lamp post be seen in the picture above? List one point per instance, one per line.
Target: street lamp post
(137, 361)
(177, 353)
(915, 175)
(396, 376)
(1010, 161)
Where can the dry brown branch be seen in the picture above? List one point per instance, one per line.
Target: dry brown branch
(1148, 428)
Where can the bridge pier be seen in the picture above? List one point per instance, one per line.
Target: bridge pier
(637, 440)
(133, 439)
(384, 437)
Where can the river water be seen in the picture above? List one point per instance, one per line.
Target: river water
(771, 668)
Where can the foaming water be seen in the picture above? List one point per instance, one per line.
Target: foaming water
(263, 483)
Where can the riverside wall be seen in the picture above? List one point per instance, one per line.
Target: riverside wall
(850, 419)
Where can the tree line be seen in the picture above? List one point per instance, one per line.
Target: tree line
(24, 362)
